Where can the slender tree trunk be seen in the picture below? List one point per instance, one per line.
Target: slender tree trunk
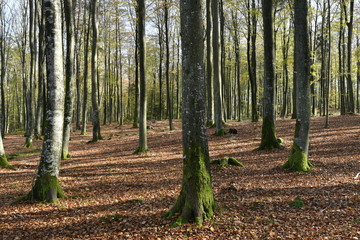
(143, 105)
(253, 78)
(94, 73)
(268, 137)
(217, 69)
(69, 86)
(237, 63)
(298, 160)
(196, 199)
(86, 67)
(209, 66)
(167, 64)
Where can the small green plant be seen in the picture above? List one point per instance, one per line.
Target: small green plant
(226, 161)
(297, 203)
(357, 221)
(12, 156)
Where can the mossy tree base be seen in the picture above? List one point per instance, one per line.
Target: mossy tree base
(141, 150)
(269, 140)
(28, 144)
(4, 162)
(298, 161)
(210, 124)
(65, 155)
(220, 133)
(46, 188)
(196, 200)
(226, 161)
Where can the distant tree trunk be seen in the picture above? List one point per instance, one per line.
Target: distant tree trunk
(94, 73)
(161, 54)
(137, 90)
(350, 26)
(86, 67)
(298, 160)
(237, 63)
(285, 66)
(30, 112)
(268, 137)
(46, 185)
(209, 66)
(143, 105)
(167, 71)
(196, 199)
(328, 80)
(217, 69)
(358, 77)
(41, 75)
(69, 86)
(253, 78)
(341, 45)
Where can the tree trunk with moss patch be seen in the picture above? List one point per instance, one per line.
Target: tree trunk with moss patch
(3, 159)
(196, 201)
(268, 137)
(298, 160)
(46, 185)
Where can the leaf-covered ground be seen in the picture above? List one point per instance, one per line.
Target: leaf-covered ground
(114, 194)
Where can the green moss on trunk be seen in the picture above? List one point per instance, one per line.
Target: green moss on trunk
(196, 201)
(4, 162)
(298, 160)
(220, 133)
(268, 137)
(224, 162)
(141, 150)
(65, 155)
(28, 144)
(46, 188)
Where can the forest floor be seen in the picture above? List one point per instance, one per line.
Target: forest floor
(114, 194)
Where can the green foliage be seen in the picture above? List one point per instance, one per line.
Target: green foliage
(297, 203)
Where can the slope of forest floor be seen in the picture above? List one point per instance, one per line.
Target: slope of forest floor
(114, 194)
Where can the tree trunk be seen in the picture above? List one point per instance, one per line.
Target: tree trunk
(253, 78)
(196, 200)
(268, 137)
(209, 66)
(143, 105)
(86, 67)
(217, 69)
(94, 74)
(298, 160)
(46, 185)
(69, 86)
(167, 64)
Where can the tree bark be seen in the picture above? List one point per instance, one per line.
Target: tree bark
(94, 74)
(268, 137)
(46, 185)
(167, 64)
(298, 160)
(143, 103)
(196, 200)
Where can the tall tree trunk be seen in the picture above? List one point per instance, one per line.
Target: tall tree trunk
(167, 64)
(196, 199)
(209, 66)
(268, 137)
(3, 160)
(86, 67)
(298, 160)
(253, 78)
(94, 73)
(69, 86)
(46, 185)
(237, 63)
(143, 105)
(217, 69)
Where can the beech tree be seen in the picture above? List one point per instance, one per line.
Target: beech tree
(3, 160)
(46, 186)
(143, 103)
(298, 160)
(69, 88)
(196, 200)
(268, 137)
